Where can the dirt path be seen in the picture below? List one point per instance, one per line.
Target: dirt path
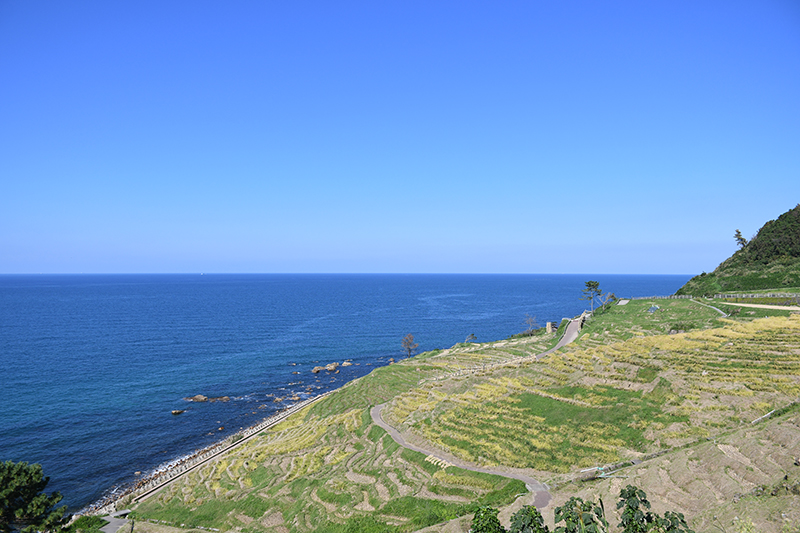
(541, 495)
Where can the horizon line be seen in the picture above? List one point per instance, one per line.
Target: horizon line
(337, 274)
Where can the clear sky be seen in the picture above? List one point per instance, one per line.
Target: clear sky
(394, 136)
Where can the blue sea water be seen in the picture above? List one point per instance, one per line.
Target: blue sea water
(91, 366)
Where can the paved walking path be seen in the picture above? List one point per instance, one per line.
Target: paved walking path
(115, 521)
(541, 495)
(572, 332)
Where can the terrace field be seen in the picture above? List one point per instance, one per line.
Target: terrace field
(626, 389)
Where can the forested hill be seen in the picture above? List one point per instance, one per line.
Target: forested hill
(771, 260)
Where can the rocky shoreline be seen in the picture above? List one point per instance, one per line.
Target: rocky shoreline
(171, 470)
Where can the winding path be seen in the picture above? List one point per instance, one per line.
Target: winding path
(541, 495)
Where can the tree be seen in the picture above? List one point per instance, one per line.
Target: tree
(531, 322)
(607, 297)
(741, 241)
(23, 503)
(591, 292)
(486, 521)
(409, 345)
(528, 520)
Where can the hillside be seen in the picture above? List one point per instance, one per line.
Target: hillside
(771, 260)
(626, 390)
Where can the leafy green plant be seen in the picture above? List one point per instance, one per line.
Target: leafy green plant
(671, 522)
(637, 518)
(486, 521)
(528, 520)
(581, 516)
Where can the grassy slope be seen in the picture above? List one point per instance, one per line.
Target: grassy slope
(624, 389)
(330, 469)
(776, 276)
(771, 260)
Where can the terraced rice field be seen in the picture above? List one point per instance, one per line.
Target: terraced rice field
(328, 468)
(586, 406)
(616, 393)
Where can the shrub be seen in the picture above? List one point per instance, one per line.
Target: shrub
(581, 517)
(486, 521)
(528, 520)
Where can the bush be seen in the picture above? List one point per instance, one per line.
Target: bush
(528, 520)
(581, 516)
(486, 521)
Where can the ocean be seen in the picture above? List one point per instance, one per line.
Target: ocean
(92, 366)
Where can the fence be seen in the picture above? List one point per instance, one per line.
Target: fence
(673, 297)
(765, 295)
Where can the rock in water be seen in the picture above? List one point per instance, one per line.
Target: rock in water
(197, 398)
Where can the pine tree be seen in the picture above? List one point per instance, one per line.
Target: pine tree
(23, 504)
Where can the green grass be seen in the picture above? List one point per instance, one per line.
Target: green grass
(626, 413)
(646, 374)
(772, 300)
(423, 512)
(338, 498)
(772, 277)
(381, 385)
(748, 313)
(558, 435)
(419, 459)
(789, 290)
(620, 322)
(87, 524)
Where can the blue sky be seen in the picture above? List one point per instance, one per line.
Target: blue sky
(544, 137)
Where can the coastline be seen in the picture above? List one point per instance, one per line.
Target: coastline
(242, 354)
(172, 470)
